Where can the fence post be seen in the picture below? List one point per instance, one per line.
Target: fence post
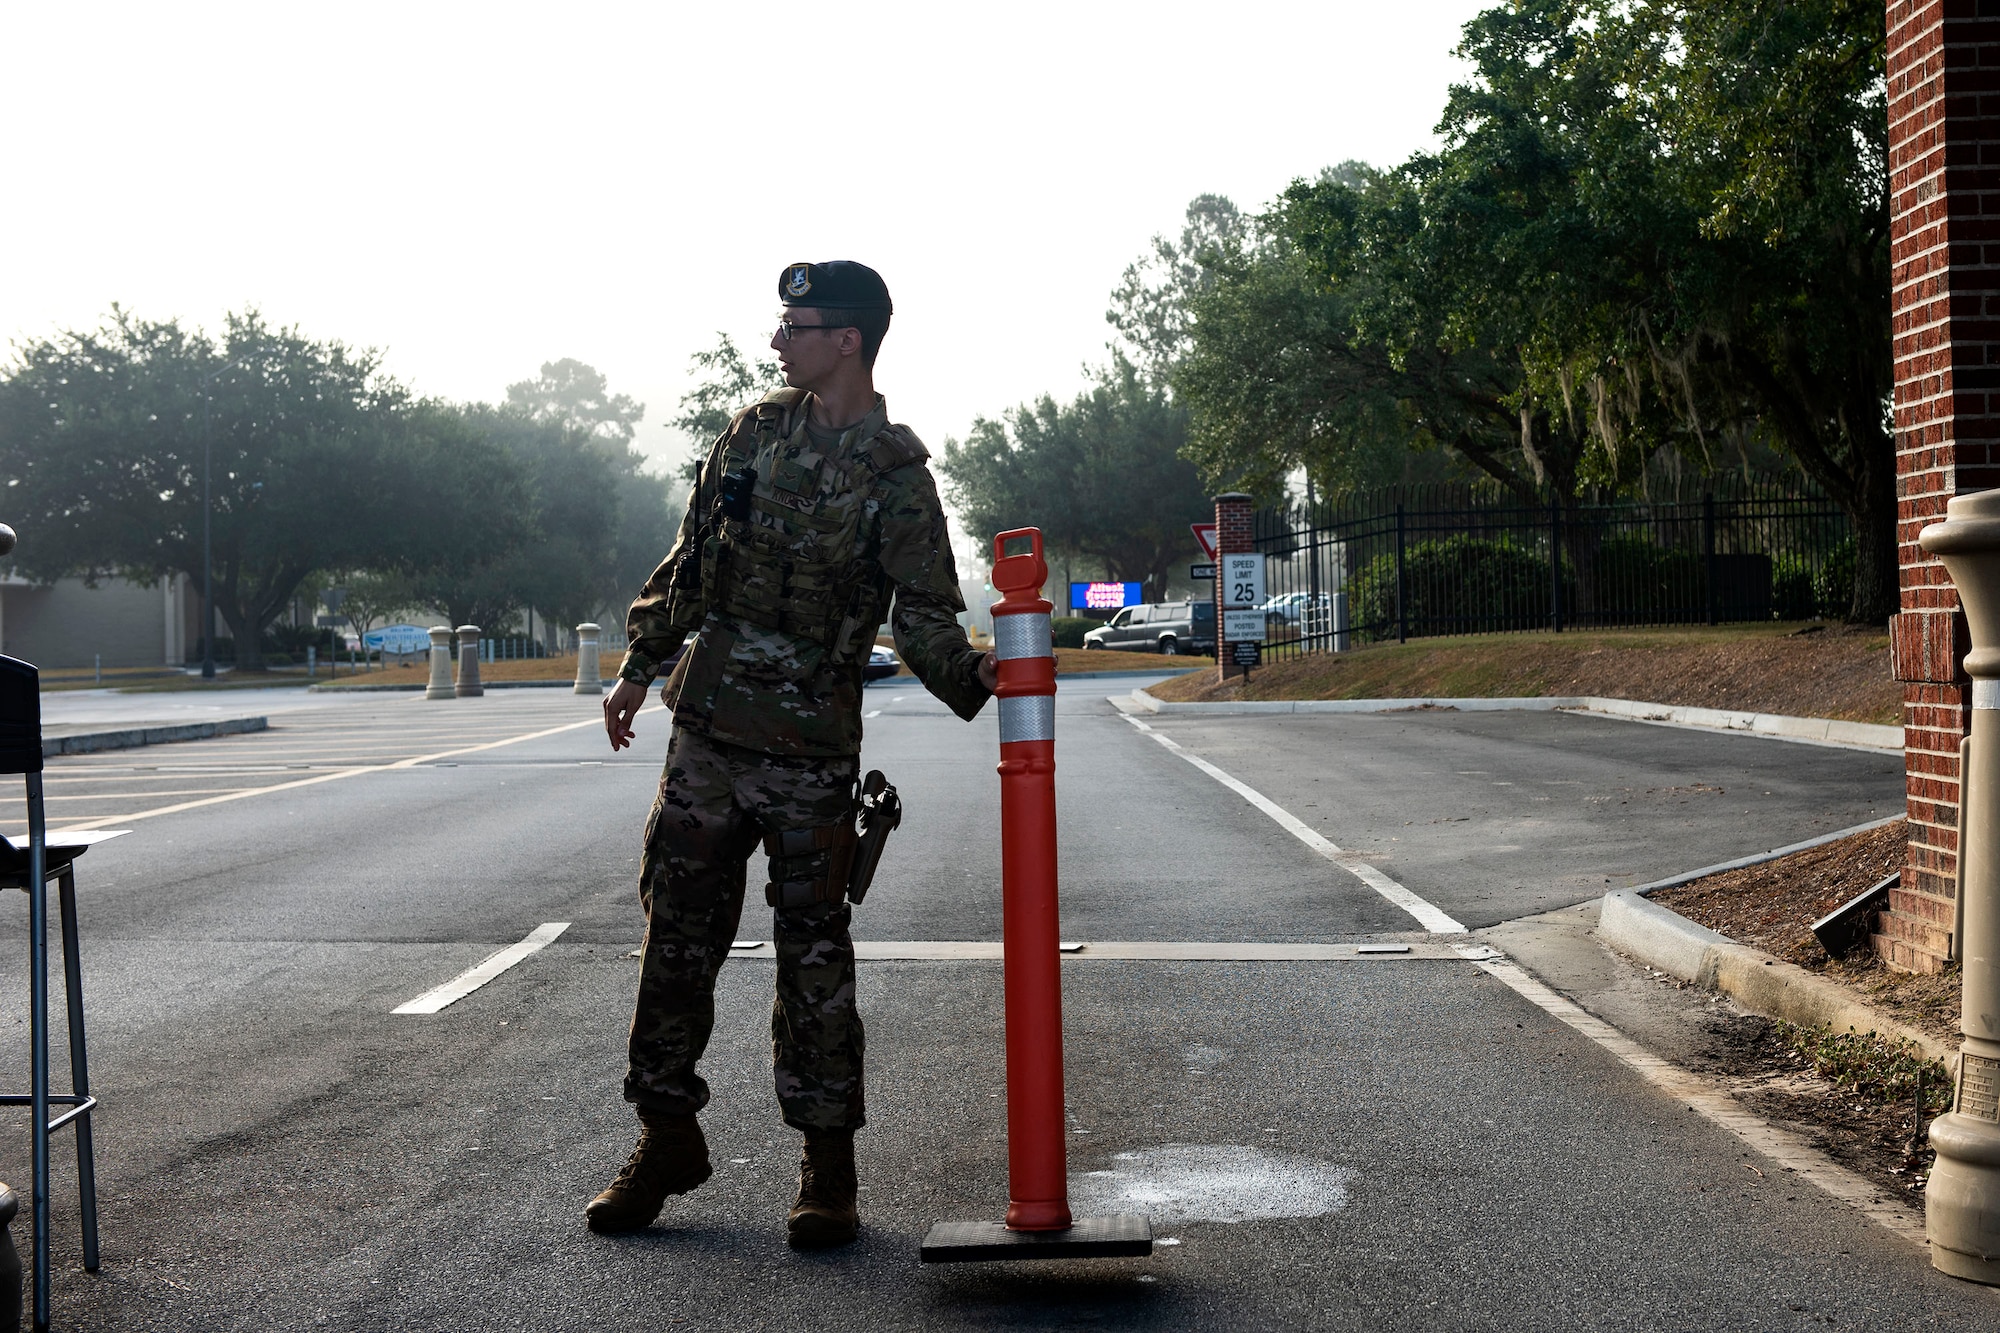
(1555, 564)
(1708, 547)
(1402, 615)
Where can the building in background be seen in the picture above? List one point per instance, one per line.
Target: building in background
(119, 623)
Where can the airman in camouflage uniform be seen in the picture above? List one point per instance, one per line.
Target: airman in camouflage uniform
(801, 535)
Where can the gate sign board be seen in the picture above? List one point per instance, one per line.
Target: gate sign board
(1243, 626)
(1243, 581)
(1204, 534)
(1246, 654)
(398, 639)
(1105, 596)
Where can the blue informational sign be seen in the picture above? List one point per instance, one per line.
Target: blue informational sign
(1105, 596)
(398, 639)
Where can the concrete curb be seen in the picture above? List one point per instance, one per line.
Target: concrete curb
(91, 742)
(1815, 730)
(1670, 942)
(487, 684)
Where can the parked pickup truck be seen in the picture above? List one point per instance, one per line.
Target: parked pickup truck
(1158, 627)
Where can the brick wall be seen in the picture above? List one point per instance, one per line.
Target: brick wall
(1234, 535)
(1944, 200)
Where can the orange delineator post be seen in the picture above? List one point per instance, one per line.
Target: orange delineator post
(1037, 1162)
(1038, 1225)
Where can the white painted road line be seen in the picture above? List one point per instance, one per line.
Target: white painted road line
(338, 774)
(1787, 1150)
(1173, 951)
(1430, 917)
(473, 978)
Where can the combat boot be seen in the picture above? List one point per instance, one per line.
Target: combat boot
(672, 1158)
(825, 1214)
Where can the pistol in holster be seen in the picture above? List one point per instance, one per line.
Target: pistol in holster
(825, 864)
(879, 810)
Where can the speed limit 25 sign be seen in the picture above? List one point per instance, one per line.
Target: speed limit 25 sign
(1242, 580)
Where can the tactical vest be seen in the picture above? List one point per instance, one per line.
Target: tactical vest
(804, 561)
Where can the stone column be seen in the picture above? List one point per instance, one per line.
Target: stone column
(468, 663)
(440, 686)
(589, 678)
(1234, 535)
(1944, 136)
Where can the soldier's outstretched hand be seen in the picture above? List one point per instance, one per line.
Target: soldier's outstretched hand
(620, 707)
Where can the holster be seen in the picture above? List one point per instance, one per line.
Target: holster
(880, 810)
(809, 865)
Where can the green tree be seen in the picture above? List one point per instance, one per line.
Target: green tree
(1153, 305)
(374, 598)
(102, 440)
(725, 383)
(589, 525)
(1277, 375)
(1101, 476)
(577, 398)
(472, 508)
(1778, 118)
(1651, 227)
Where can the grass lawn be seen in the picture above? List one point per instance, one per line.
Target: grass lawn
(1814, 670)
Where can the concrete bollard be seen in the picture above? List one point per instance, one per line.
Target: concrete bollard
(1962, 1200)
(440, 686)
(468, 663)
(589, 679)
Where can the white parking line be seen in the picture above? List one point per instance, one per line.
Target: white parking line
(473, 978)
(338, 774)
(1429, 916)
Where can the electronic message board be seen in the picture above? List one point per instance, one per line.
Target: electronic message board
(1105, 596)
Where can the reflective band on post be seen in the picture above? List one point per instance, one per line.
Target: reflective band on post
(1022, 635)
(1985, 693)
(1028, 717)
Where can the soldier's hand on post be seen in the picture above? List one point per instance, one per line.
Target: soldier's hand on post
(989, 672)
(620, 707)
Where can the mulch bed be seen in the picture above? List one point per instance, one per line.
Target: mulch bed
(1768, 1066)
(1772, 907)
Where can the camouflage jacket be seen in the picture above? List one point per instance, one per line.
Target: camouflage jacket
(784, 595)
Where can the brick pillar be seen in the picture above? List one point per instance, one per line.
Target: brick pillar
(1235, 534)
(1944, 203)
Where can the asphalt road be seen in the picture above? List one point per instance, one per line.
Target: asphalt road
(1342, 1145)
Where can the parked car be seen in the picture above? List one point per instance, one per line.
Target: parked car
(881, 663)
(1158, 627)
(1290, 606)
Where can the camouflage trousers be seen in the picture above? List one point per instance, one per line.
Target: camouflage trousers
(716, 802)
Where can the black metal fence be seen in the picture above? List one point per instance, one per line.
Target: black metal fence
(1451, 559)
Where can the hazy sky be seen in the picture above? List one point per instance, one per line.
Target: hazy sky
(479, 188)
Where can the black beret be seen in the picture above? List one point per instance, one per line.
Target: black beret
(838, 284)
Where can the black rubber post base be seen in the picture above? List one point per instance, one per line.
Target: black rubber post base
(1124, 1236)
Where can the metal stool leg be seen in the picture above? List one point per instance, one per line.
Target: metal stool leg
(38, 1038)
(79, 1069)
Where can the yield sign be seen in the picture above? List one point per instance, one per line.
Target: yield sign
(1204, 533)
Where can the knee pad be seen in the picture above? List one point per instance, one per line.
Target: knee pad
(809, 865)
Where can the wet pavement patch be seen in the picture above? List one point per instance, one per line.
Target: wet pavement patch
(1225, 1182)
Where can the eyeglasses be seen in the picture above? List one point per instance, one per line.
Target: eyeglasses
(786, 329)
